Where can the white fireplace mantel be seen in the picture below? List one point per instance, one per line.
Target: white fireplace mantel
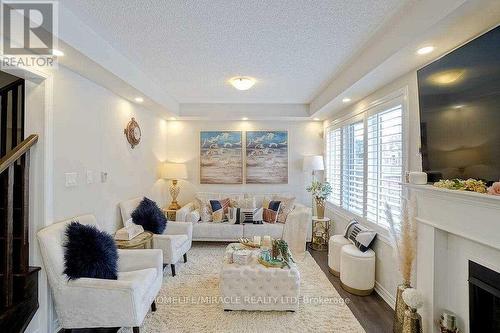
(470, 215)
(453, 228)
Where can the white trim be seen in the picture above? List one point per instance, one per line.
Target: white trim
(385, 295)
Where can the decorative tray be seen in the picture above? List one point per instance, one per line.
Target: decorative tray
(275, 263)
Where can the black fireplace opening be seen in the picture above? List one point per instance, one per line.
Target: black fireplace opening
(484, 299)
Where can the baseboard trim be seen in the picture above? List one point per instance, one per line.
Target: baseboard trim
(386, 296)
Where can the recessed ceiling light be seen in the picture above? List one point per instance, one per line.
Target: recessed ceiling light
(242, 82)
(458, 106)
(173, 118)
(139, 99)
(57, 53)
(244, 118)
(316, 119)
(425, 50)
(346, 100)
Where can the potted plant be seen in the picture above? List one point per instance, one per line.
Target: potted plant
(320, 192)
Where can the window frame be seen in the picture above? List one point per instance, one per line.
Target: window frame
(398, 97)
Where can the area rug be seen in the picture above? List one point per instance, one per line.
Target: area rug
(188, 302)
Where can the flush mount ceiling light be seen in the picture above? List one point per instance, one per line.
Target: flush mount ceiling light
(242, 82)
(425, 50)
(57, 53)
(346, 100)
(139, 99)
(244, 118)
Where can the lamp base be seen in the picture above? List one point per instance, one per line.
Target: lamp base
(174, 206)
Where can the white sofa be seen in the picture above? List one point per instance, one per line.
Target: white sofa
(90, 303)
(175, 241)
(296, 230)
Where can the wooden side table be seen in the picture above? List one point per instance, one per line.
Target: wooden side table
(170, 214)
(141, 241)
(320, 233)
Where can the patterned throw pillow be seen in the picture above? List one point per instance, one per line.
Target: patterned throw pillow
(204, 209)
(270, 211)
(287, 205)
(359, 235)
(219, 209)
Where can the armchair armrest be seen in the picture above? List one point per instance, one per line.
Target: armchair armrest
(179, 228)
(180, 215)
(131, 260)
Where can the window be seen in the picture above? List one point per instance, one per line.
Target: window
(365, 162)
(333, 163)
(353, 178)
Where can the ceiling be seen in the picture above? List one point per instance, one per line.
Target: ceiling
(191, 48)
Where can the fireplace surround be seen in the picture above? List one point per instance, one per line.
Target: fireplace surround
(454, 228)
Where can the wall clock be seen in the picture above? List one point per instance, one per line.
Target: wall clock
(133, 133)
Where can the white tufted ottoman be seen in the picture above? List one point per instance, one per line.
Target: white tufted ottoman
(334, 246)
(357, 270)
(255, 287)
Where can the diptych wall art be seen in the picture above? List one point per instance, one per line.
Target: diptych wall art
(221, 158)
(266, 157)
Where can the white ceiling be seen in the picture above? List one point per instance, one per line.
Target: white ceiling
(191, 48)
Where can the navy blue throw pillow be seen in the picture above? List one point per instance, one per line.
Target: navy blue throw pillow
(89, 252)
(150, 216)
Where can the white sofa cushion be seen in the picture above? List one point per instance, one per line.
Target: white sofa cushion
(273, 230)
(217, 231)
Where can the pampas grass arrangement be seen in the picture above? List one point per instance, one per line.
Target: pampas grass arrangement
(404, 238)
(404, 241)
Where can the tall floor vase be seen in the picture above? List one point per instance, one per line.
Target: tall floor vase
(401, 307)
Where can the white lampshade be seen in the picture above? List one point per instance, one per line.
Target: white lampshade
(313, 163)
(173, 171)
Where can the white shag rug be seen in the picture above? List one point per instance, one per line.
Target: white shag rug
(188, 302)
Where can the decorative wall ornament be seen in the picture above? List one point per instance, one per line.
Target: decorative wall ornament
(133, 133)
(267, 157)
(221, 157)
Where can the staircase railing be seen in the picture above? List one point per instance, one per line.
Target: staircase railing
(18, 279)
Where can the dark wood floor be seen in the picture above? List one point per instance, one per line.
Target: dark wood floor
(374, 314)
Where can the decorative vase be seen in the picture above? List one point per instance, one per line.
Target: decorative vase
(412, 322)
(320, 208)
(401, 307)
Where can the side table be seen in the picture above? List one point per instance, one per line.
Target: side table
(320, 233)
(170, 214)
(141, 241)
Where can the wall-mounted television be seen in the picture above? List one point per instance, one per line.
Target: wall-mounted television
(459, 97)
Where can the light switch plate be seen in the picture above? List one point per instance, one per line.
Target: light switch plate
(71, 179)
(104, 177)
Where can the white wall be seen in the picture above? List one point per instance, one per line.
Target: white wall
(88, 136)
(387, 275)
(305, 138)
(85, 126)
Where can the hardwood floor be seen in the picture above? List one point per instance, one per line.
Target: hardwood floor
(374, 314)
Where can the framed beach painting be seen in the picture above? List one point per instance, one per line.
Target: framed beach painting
(221, 157)
(267, 157)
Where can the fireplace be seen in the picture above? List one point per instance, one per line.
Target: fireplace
(484, 299)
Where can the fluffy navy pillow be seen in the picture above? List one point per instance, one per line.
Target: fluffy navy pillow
(150, 216)
(89, 252)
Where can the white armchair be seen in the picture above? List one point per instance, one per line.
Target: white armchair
(92, 303)
(175, 241)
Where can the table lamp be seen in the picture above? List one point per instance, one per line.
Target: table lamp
(312, 164)
(174, 172)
